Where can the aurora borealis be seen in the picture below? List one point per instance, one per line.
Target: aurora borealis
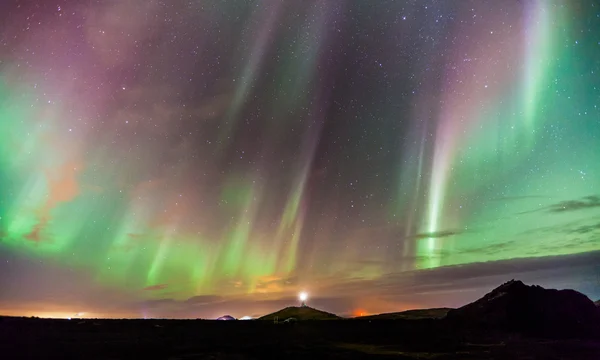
(195, 158)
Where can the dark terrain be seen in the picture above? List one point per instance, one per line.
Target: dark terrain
(437, 313)
(336, 339)
(486, 329)
(532, 310)
(300, 313)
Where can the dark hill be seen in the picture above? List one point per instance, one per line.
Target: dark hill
(300, 313)
(533, 310)
(437, 313)
(597, 303)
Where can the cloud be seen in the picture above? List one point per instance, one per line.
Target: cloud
(35, 234)
(273, 283)
(158, 303)
(367, 262)
(460, 284)
(437, 234)
(518, 198)
(588, 202)
(585, 229)
(204, 299)
(490, 249)
(156, 287)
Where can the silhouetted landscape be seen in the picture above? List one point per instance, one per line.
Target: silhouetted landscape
(417, 314)
(514, 321)
(531, 310)
(300, 313)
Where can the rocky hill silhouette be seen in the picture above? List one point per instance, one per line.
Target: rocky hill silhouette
(419, 314)
(300, 313)
(532, 310)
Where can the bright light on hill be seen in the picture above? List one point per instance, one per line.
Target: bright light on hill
(303, 296)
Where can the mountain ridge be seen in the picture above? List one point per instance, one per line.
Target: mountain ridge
(300, 313)
(531, 309)
(416, 314)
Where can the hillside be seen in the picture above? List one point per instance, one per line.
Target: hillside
(515, 306)
(420, 314)
(300, 313)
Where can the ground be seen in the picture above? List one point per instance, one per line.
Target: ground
(300, 313)
(436, 313)
(335, 339)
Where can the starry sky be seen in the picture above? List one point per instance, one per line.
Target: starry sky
(201, 157)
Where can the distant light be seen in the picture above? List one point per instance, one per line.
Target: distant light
(68, 318)
(303, 296)
(246, 317)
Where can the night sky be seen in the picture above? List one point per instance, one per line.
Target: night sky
(206, 157)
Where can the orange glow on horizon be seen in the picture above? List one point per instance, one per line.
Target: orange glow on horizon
(360, 312)
(65, 314)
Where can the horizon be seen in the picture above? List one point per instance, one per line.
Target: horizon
(528, 273)
(257, 317)
(193, 159)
